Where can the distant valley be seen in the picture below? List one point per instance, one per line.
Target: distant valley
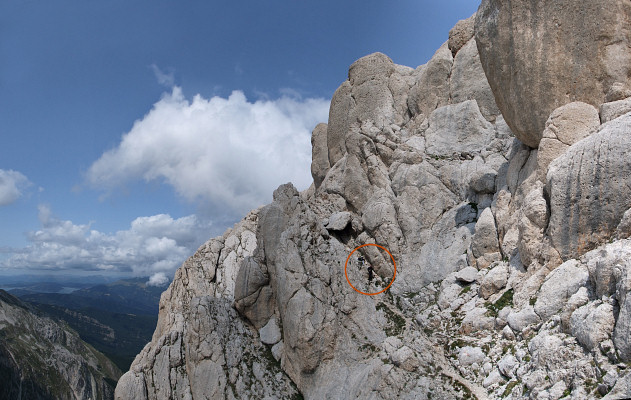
(116, 318)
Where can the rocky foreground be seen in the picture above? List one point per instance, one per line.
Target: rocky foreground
(499, 177)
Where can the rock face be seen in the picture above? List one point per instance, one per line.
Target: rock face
(588, 189)
(42, 359)
(539, 55)
(512, 275)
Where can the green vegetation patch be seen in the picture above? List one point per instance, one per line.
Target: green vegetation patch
(509, 388)
(368, 347)
(396, 323)
(505, 301)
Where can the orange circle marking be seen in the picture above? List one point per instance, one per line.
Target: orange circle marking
(393, 263)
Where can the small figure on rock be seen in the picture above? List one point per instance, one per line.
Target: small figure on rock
(371, 274)
(360, 262)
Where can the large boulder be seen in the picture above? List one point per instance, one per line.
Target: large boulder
(541, 54)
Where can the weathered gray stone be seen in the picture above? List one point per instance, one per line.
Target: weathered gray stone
(577, 300)
(253, 297)
(458, 128)
(340, 120)
(507, 332)
(494, 378)
(588, 189)
(622, 330)
(469, 355)
(530, 51)
(461, 33)
(572, 122)
(549, 150)
(468, 82)
(373, 100)
(467, 275)
(319, 154)
(477, 320)
(441, 254)
(559, 286)
(531, 224)
(339, 221)
(405, 359)
(507, 365)
(518, 321)
(592, 323)
(621, 390)
(277, 350)
(431, 89)
(615, 109)
(485, 238)
(566, 125)
(448, 294)
(623, 230)
(494, 281)
(270, 333)
(483, 180)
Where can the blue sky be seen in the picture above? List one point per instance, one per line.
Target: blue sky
(132, 131)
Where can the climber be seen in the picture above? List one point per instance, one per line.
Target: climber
(371, 274)
(360, 261)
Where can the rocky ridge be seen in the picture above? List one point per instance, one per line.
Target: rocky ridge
(512, 278)
(44, 359)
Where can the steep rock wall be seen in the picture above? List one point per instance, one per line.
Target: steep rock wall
(492, 297)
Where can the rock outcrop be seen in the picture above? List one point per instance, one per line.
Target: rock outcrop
(511, 253)
(43, 359)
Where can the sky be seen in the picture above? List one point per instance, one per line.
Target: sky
(133, 131)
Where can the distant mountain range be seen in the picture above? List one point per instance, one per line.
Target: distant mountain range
(117, 318)
(66, 279)
(43, 358)
(128, 296)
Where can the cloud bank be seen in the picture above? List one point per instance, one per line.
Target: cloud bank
(228, 155)
(12, 185)
(152, 246)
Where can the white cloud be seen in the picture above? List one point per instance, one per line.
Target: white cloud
(158, 279)
(227, 154)
(12, 185)
(166, 79)
(155, 244)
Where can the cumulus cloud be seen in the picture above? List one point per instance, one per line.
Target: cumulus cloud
(158, 279)
(152, 245)
(227, 154)
(12, 185)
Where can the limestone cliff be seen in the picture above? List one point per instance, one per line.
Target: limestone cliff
(512, 259)
(44, 359)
